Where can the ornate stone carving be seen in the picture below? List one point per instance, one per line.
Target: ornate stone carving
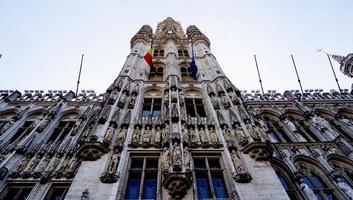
(158, 137)
(147, 135)
(165, 160)
(122, 99)
(345, 188)
(241, 175)
(214, 102)
(177, 157)
(225, 101)
(239, 133)
(6, 126)
(109, 135)
(187, 159)
(166, 135)
(109, 176)
(71, 170)
(104, 115)
(252, 130)
(307, 191)
(136, 136)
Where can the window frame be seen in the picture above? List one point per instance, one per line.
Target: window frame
(152, 106)
(17, 185)
(195, 106)
(53, 186)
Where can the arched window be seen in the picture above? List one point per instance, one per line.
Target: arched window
(64, 127)
(286, 182)
(183, 53)
(6, 121)
(306, 132)
(276, 132)
(156, 73)
(314, 178)
(186, 74)
(158, 53)
(344, 167)
(152, 104)
(194, 104)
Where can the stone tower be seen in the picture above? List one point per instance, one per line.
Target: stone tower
(166, 132)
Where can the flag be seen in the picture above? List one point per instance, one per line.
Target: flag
(148, 56)
(193, 68)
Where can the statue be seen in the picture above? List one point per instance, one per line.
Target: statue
(174, 96)
(166, 98)
(76, 126)
(23, 164)
(214, 102)
(36, 121)
(187, 158)
(253, 132)
(225, 101)
(319, 123)
(176, 154)
(233, 97)
(227, 134)
(53, 164)
(213, 136)
(132, 101)
(238, 163)
(109, 134)
(147, 135)
(41, 166)
(308, 192)
(263, 125)
(165, 161)
(345, 188)
(239, 133)
(6, 126)
(113, 163)
(193, 136)
(136, 135)
(64, 165)
(158, 135)
(73, 165)
(203, 136)
(290, 125)
(33, 164)
(122, 134)
(185, 132)
(165, 133)
(43, 125)
(122, 99)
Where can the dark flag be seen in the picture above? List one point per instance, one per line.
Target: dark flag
(193, 68)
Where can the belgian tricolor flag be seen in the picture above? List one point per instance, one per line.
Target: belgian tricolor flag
(148, 57)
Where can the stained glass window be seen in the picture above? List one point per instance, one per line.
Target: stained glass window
(209, 178)
(142, 181)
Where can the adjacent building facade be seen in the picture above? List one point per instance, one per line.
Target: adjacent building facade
(164, 132)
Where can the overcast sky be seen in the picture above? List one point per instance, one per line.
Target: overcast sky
(41, 42)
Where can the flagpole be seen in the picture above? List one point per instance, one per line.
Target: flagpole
(79, 75)
(295, 67)
(258, 73)
(333, 71)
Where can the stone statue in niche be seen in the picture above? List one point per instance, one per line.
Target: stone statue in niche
(345, 188)
(158, 136)
(64, 165)
(122, 99)
(263, 125)
(238, 163)
(165, 161)
(233, 97)
(147, 135)
(132, 101)
(203, 135)
(41, 166)
(252, 130)
(225, 101)
(175, 111)
(307, 191)
(166, 98)
(77, 126)
(113, 163)
(166, 134)
(37, 121)
(320, 123)
(185, 133)
(33, 164)
(290, 125)
(174, 95)
(177, 160)
(214, 102)
(193, 136)
(109, 134)
(53, 163)
(22, 165)
(187, 158)
(6, 126)
(122, 134)
(72, 167)
(213, 135)
(227, 134)
(136, 135)
(239, 133)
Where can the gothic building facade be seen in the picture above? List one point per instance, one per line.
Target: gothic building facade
(163, 133)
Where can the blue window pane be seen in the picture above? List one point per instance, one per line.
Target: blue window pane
(330, 196)
(283, 182)
(133, 186)
(319, 182)
(319, 197)
(203, 189)
(308, 182)
(219, 188)
(150, 186)
(346, 181)
(145, 113)
(156, 113)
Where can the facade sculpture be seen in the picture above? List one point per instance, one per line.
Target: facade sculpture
(169, 131)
